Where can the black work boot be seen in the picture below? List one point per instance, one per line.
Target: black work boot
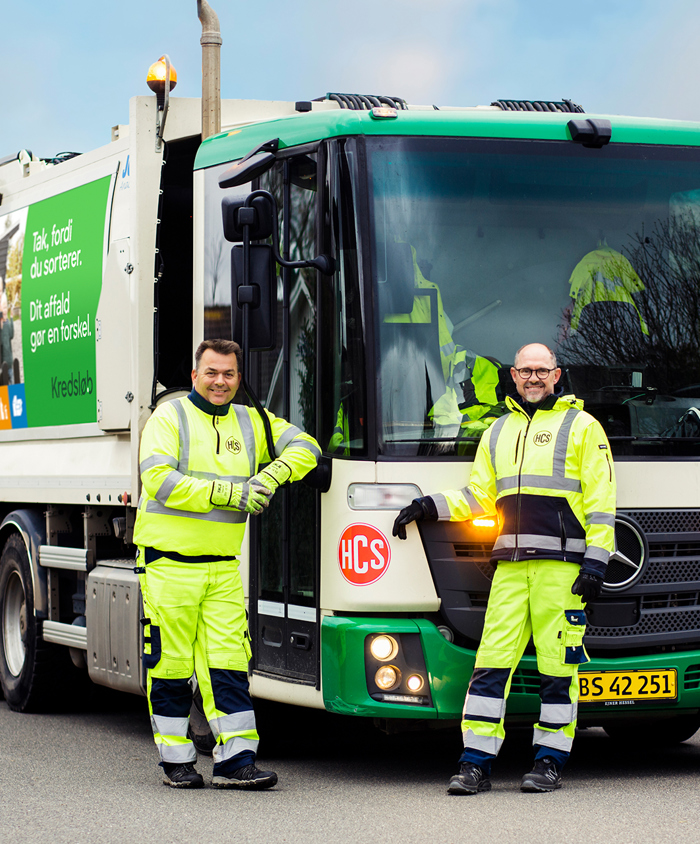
(181, 776)
(471, 779)
(545, 776)
(248, 777)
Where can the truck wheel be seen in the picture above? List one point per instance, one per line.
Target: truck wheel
(659, 732)
(30, 672)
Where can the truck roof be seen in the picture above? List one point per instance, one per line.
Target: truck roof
(478, 122)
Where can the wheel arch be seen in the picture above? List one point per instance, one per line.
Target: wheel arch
(31, 525)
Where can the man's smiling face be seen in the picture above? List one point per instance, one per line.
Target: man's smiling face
(535, 388)
(217, 378)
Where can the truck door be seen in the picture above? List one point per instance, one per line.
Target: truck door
(284, 546)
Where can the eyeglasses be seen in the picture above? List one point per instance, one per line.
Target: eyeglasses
(526, 372)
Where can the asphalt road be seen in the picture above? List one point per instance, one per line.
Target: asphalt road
(92, 777)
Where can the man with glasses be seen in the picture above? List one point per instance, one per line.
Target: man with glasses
(545, 469)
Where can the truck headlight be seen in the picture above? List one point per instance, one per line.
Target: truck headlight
(414, 683)
(387, 677)
(381, 496)
(384, 647)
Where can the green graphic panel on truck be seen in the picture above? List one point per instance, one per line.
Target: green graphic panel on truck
(61, 281)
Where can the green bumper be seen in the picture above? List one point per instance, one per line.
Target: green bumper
(449, 668)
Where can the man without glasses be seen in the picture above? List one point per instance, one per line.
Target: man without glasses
(200, 468)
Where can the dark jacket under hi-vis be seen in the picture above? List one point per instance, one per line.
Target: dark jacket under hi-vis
(550, 480)
(183, 449)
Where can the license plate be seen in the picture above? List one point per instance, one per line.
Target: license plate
(623, 686)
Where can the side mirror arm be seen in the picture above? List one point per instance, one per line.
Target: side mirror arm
(323, 263)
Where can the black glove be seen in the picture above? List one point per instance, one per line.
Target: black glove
(588, 586)
(419, 508)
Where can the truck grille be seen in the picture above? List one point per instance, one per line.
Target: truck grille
(666, 521)
(670, 600)
(479, 553)
(649, 624)
(668, 564)
(671, 613)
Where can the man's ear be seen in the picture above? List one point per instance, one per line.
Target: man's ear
(557, 376)
(513, 374)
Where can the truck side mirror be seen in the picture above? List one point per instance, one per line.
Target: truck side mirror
(259, 292)
(258, 217)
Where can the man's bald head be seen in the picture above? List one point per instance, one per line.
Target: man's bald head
(538, 349)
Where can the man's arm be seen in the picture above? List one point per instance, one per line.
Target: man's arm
(478, 498)
(599, 498)
(296, 454)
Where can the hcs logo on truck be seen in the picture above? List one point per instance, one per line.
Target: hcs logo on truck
(363, 554)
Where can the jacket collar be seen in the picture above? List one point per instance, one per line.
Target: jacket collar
(207, 406)
(552, 402)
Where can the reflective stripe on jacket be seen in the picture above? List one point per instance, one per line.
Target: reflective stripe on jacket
(184, 449)
(551, 481)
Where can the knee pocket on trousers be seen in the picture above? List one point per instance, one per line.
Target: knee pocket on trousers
(573, 629)
(152, 641)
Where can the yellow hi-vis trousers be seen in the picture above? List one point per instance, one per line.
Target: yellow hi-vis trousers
(528, 598)
(195, 621)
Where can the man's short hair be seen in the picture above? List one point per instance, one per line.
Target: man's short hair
(551, 353)
(221, 347)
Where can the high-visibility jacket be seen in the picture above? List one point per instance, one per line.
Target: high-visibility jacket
(184, 448)
(604, 275)
(339, 442)
(421, 314)
(550, 480)
(459, 365)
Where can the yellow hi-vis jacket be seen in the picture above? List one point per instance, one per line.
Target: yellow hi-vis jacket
(458, 364)
(604, 275)
(184, 449)
(550, 480)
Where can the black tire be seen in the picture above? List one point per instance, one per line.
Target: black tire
(33, 673)
(661, 732)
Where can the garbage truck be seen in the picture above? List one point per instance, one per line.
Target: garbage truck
(414, 250)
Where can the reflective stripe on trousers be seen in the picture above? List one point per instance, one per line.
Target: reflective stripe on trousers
(170, 735)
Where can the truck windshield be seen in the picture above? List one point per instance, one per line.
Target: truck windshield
(482, 246)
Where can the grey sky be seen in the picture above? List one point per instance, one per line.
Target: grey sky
(68, 69)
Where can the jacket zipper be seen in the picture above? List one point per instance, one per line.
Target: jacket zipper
(562, 531)
(607, 457)
(516, 551)
(517, 446)
(218, 440)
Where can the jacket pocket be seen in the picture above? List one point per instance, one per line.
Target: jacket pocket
(151, 644)
(572, 650)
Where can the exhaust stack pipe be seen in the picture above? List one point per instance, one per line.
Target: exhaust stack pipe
(211, 42)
